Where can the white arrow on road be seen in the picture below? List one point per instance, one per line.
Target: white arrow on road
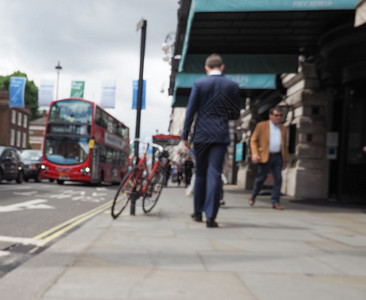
(32, 204)
(18, 240)
(30, 193)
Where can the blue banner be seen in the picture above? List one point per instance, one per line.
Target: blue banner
(135, 93)
(239, 152)
(17, 87)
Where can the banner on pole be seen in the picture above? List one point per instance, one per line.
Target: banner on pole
(108, 97)
(77, 89)
(135, 93)
(17, 87)
(45, 92)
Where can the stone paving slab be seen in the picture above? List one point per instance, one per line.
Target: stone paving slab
(305, 252)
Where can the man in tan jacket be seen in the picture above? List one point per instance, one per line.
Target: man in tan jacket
(269, 151)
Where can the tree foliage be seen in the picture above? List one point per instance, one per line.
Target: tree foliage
(30, 92)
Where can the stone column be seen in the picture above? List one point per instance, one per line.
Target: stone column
(247, 171)
(307, 172)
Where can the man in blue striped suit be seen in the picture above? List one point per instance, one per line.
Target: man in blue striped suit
(214, 100)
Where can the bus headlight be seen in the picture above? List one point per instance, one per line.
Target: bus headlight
(85, 171)
(44, 168)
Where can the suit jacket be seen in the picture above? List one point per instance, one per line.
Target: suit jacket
(215, 100)
(259, 142)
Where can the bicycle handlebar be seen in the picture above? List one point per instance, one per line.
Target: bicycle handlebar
(160, 148)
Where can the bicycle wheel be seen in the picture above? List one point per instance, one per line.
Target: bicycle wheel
(152, 194)
(123, 194)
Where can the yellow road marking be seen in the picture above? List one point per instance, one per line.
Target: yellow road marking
(53, 233)
(48, 232)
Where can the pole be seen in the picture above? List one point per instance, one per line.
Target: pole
(58, 69)
(142, 24)
(58, 75)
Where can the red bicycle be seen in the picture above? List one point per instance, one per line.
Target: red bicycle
(139, 182)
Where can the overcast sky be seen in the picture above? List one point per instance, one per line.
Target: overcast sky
(95, 41)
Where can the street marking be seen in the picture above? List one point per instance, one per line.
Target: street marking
(18, 240)
(80, 196)
(30, 193)
(32, 204)
(59, 196)
(53, 233)
(13, 187)
(4, 253)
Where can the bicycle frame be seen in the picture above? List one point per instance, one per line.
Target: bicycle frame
(139, 182)
(142, 166)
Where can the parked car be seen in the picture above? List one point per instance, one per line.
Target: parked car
(11, 165)
(32, 160)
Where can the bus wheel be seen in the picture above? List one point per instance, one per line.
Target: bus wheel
(60, 181)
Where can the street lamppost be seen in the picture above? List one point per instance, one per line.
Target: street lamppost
(168, 47)
(58, 69)
(142, 24)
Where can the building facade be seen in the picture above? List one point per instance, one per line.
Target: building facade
(313, 55)
(36, 131)
(14, 124)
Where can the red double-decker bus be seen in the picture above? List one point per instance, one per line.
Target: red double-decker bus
(82, 142)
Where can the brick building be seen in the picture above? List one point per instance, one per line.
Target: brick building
(14, 124)
(36, 131)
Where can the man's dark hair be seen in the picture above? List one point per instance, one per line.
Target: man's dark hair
(276, 108)
(214, 61)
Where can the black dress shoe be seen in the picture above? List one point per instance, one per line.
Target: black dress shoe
(210, 223)
(197, 216)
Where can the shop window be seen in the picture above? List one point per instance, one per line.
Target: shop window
(24, 140)
(19, 137)
(13, 117)
(19, 119)
(25, 121)
(12, 137)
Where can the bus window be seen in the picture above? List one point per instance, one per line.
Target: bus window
(98, 117)
(71, 111)
(110, 124)
(109, 155)
(103, 154)
(104, 120)
(66, 150)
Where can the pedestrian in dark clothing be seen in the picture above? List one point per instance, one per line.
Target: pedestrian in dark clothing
(215, 101)
(167, 171)
(188, 170)
(180, 169)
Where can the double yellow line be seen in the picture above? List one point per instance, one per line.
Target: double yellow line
(53, 233)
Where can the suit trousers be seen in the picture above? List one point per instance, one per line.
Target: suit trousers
(209, 162)
(274, 164)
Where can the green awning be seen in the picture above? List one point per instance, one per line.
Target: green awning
(201, 6)
(248, 64)
(245, 81)
(180, 101)
(270, 5)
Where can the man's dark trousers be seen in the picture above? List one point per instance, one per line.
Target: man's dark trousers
(209, 162)
(274, 164)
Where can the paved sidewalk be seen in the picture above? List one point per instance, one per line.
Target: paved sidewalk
(308, 251)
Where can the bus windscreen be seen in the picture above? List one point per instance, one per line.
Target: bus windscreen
(71, 111)
(65, 150)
